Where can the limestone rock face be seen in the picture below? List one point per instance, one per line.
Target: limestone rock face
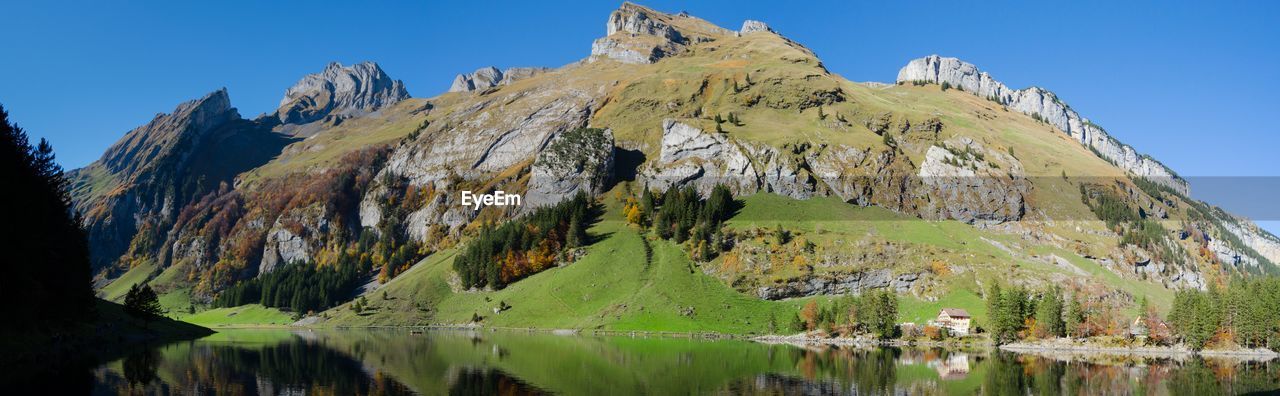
(837, 284)
(341, 91)
(290, 239)
(635, 34)
(966, 182)
(634, 19)
(489, 77)
(1265, 244)
(751, 26)
(692, 157)
(475, 144)
(1045, 105)
(988, 190)
(578, 160)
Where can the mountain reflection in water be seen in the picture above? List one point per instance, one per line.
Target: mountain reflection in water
(391, 362)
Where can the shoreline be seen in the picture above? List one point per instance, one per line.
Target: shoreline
(1073, 349)
(1042, 348)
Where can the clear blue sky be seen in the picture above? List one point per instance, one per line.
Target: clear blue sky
(1194, 85)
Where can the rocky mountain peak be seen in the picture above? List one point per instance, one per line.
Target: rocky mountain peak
(340, 90)
(1044, 105)
(752, 26)
(489, 77)
(638, 34)
(635, 19)
(193, 117)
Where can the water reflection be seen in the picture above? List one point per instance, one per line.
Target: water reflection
(471, 363)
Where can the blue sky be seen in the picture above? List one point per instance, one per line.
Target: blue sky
(1192, 84)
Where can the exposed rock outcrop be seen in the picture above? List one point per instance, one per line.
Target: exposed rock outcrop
(1046, 106)
(834, 284)
(489, 77)
(967, 182)
(1261, 241)
(340, 91)
(475, 144)
(978, 191)
(752, 26)
(577, 160)
(636, 34)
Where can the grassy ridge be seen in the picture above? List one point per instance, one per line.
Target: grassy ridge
(611, 288)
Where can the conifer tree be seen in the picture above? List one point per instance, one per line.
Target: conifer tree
(47, 254)
(141, 302)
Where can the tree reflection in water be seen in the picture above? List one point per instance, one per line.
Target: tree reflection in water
(140, 367)
(507, 363)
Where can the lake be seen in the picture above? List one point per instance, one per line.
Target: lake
(346, 362)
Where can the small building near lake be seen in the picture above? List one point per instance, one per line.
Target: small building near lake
(955, 320)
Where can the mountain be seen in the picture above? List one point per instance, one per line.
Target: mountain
(931, 186)
(340, 92)
(142, 182)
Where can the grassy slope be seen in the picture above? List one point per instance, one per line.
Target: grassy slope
(245, 315)
(116, 290)
(610, 288)
(613, 288)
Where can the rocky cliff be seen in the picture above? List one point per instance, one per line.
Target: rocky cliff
(340, 91)
(949, 186)
(1046, 106)
(489, 77)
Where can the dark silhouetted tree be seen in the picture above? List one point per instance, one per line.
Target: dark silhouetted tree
(46, 253)
(141, 302)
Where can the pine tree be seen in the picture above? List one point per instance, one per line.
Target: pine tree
(577, 235)
(994, 311)
(886, 313)
(1049, 312)
(1075, 316)
(141, 302)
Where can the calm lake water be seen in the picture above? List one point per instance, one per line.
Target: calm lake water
(348, 362)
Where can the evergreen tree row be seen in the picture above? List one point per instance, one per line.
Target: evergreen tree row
(682, 215)
(500, 255)
(1247, 313)
(299, 287)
